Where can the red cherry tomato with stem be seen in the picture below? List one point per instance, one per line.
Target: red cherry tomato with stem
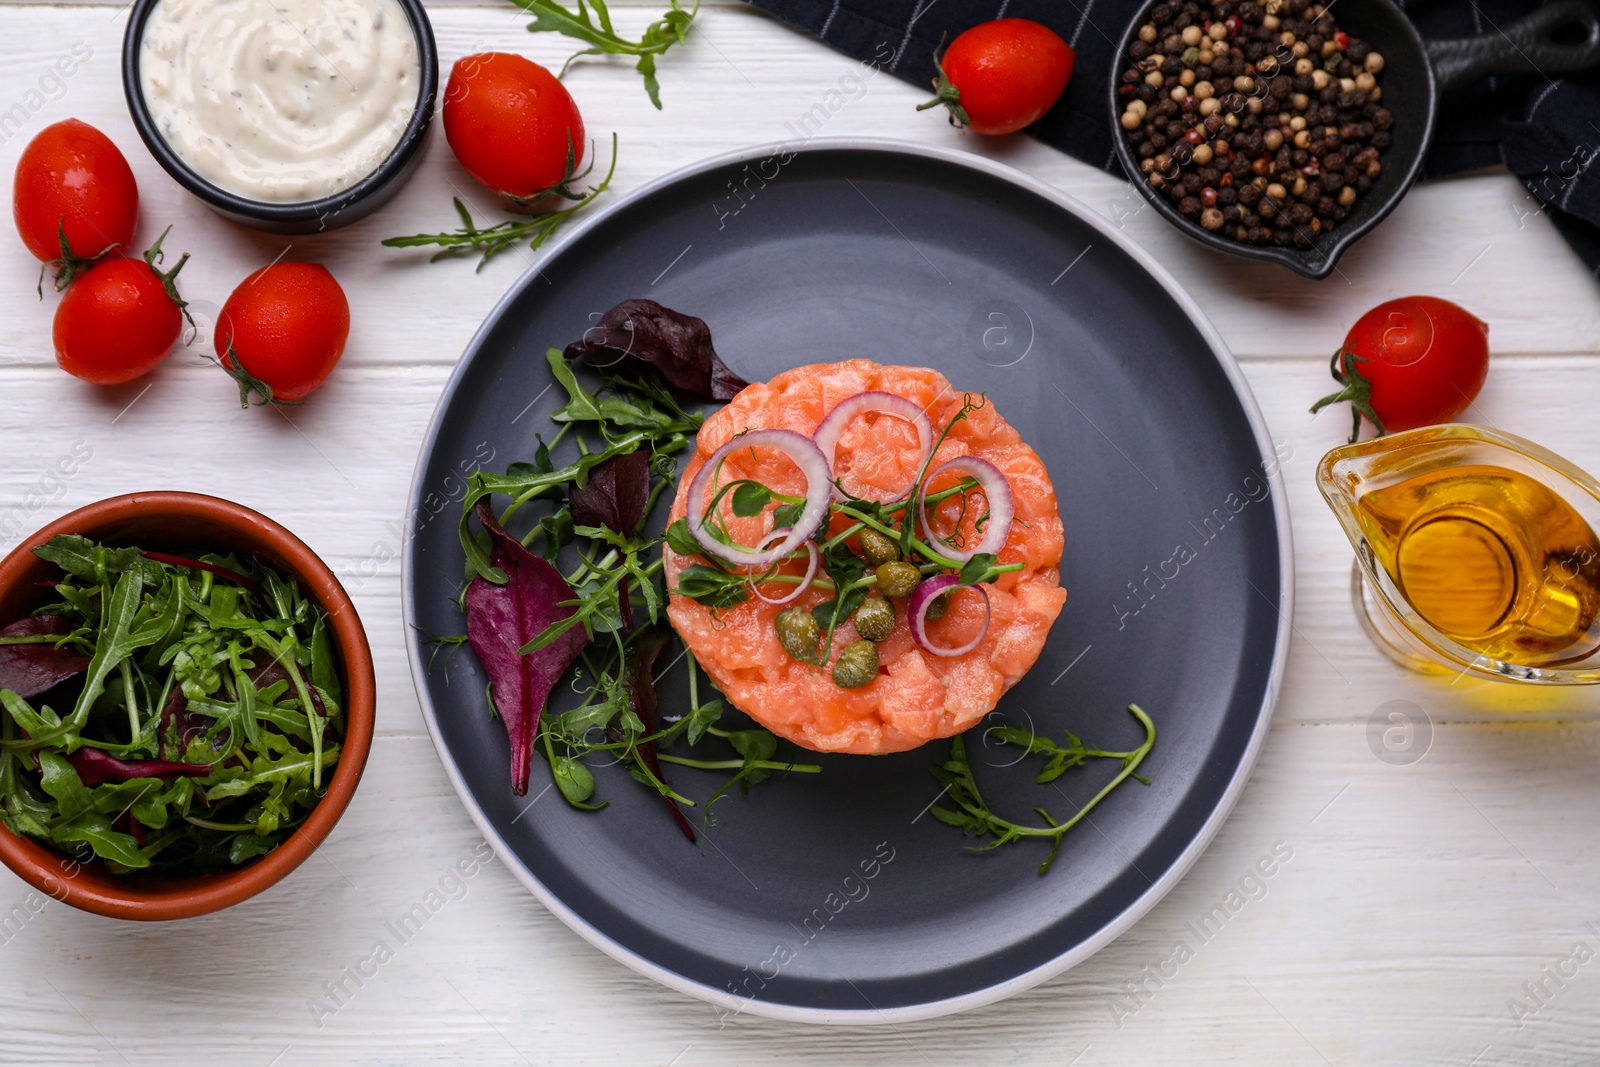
(1415, 361)
(1003, 75)
(513, 125)
(282, 331)
(73, 198)
(120, 318)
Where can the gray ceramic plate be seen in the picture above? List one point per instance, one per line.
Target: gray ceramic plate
(903, 254)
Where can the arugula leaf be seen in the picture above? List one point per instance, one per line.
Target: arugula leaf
(118, 640)
(490, 241)
(57, 778)
(94, 830)
(202, 657)
(597, 31)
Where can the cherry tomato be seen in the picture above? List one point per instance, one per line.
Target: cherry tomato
(511, 123)
(120, 318)
(72, 177)
(1003, 75)
(1411, 362)
(281, 333)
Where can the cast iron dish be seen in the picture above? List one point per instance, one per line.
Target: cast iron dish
(182, 521)
(1416, 75)
(310, 216)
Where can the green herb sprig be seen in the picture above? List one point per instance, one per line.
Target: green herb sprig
(596, 30)
(490, 241)
(567, 739)
(971, 814)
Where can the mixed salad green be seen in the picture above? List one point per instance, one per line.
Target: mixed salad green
(165, 712)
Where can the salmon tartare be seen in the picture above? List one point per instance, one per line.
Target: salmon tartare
(899, 543)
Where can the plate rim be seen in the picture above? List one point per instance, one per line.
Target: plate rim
(1157, 890)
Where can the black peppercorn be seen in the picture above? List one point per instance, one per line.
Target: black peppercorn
(1317, 166)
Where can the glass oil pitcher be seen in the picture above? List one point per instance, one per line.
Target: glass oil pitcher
(1475, 551)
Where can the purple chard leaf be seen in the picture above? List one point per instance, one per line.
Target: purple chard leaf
(615, 495)
(638, 336)
(503, 618)
(33, 669)
(642, 702)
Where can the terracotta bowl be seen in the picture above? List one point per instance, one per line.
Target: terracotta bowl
(175, 521)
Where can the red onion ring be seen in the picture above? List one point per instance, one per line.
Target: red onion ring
(1002, 507)
(880, 402)
(922, 599)
(811, 570)
(805, 454)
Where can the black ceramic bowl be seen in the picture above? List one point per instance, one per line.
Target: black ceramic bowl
(1559, 38)
(308, 216)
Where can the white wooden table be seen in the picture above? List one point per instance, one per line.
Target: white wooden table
(1422, 903)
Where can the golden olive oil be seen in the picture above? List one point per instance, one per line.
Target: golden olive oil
(1493, 559)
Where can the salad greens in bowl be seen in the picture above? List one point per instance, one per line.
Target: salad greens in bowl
(186, 704)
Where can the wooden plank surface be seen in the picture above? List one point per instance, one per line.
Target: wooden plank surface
(1418, 899)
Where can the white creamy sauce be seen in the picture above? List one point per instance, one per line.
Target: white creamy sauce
(280, 100)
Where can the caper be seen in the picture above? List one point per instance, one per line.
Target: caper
(856, 666)
(875, 619)
(940, 605)
(878, 548)
(898, 579)
(797, 632)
